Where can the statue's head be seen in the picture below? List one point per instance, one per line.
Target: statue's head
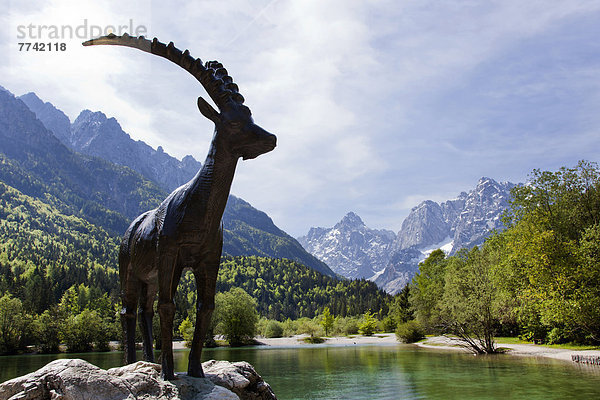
(234, 127)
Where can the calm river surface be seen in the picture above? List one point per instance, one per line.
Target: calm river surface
(380, 372)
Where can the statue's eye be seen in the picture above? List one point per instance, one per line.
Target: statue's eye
(235, 124)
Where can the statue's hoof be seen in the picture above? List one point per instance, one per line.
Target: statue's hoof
(196, 372)
(168, 376)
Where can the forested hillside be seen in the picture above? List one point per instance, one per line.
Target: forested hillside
(44, 252)
(39, 165)
(285, 289)
(58, 280)
(247, 231)
(250, 232)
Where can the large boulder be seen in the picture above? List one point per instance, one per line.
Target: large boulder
(80, 380)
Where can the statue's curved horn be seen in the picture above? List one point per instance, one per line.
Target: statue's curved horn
(212, 76)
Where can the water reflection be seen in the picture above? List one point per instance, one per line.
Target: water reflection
(380, 372)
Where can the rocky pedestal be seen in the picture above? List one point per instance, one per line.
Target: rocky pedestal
(78, 379)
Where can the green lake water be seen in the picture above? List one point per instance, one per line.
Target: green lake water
(380, 372)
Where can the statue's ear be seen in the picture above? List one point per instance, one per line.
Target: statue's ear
(207, 110)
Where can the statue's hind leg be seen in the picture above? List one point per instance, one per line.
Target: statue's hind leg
(169, 274)
(129, 299)
(146, 313)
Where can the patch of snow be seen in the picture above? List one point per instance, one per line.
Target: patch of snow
(377, 275)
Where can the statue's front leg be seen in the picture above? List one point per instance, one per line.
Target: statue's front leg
(206, 279)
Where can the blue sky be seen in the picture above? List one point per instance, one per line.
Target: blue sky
(377, 105)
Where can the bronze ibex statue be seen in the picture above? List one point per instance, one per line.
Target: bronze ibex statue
(185, 231)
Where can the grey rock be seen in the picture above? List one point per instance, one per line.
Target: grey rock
(403, 265)
(350, 248)
(425, 225)
(53, 119)
(93, 134)
(73, 379)
(455, 224)
(355, 251)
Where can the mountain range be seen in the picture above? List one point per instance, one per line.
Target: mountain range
(93, 134)
(352, 249)
(92, 169)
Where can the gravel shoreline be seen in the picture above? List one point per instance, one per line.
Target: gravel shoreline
(434, 343)
(524, 350)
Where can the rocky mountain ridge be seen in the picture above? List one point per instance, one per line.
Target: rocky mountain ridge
(94, 134)
(353, 250)
(350, 248)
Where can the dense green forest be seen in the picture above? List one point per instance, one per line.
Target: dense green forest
(285, 289)
(540, 278)
(36, 163)
(61, 269)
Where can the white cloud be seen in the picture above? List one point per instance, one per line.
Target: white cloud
(372, 102)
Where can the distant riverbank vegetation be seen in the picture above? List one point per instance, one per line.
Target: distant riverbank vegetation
(539, 279)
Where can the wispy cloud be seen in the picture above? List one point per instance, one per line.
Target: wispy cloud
(374, 103)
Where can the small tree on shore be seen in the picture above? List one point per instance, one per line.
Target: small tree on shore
(236, 316)
(327, 320)
(368, 325)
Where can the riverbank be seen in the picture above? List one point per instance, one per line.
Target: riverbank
(298, 341)
(523, 350)
(436, 343)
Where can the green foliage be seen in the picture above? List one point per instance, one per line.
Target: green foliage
(236, 316)
(399, 311)
(314, 340)
(290, 327)
(286, 289)
(186, 330)
(552, 247)
(83, 331)
(273, 329)
(47, 331)
(427, 289)
(346, 326)
(368, 326)
(43, 253)
(410, 331)
(470, 302)
(13, 324)
(327, 320)
(309, 326)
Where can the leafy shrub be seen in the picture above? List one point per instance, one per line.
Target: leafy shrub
(236, 315)
(410, 332)
(368, 325)
(314, 340)
(345, 326)
(290, 327)
(310, 327)
(273, 329)
(84, 330)
(388, 324)
(186, 330)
